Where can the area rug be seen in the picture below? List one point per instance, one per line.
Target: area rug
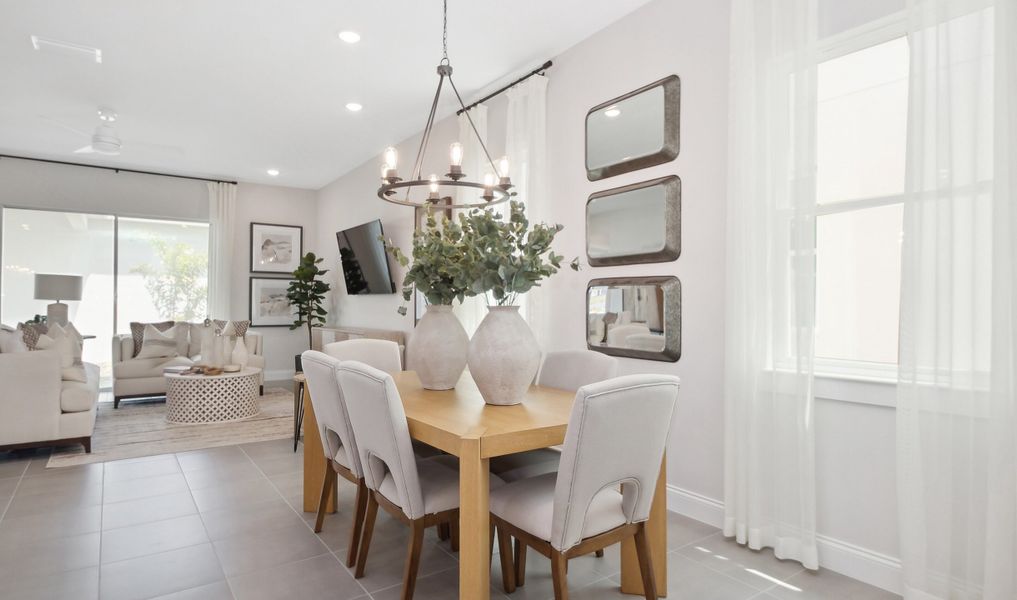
(139, 429)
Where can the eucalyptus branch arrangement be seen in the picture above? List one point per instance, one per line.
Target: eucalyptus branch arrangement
(508, 258)
(306, 293)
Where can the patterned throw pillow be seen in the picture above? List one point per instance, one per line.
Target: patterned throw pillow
(30, 333)
(158, 344)
(239, 327)
(138, 332)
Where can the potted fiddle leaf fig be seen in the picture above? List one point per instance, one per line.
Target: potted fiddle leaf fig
(306, 294)
(506, 258)
(436, 268)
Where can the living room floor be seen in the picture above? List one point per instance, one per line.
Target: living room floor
(227, 523)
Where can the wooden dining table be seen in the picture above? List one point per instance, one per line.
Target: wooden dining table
(459, 422)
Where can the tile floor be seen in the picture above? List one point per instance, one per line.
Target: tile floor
(227, 523)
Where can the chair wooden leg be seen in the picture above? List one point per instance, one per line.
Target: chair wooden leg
(508, 576)
(559, 575)
(87, 443)
(326, 490)
(358, 522)
(645, 563)
(599, 553)
(416, 545)
(444, 531)
(365, 541)
(453, 527)
(520, 560)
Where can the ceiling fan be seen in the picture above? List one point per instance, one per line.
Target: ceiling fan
(105, 139)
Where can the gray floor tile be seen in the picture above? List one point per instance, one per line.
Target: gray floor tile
(261, 549)
(82, 584)
(44, 503)
(212, 457)
(603, 589)
(58, 481)
(275, 465)
(219, 590)
(13, 467)
(133, 489)
(37, 557)
(759, 569)
(54, 524)
(126, 471)
(160, 574)
(827, 585)
(319, 577)
(269, 449)
(152, 538)
(293, 483)
(234, 493)
(436, 586)
(689, 580)
(251, 518)
(386, 559)
(682, 530)
(146, 510)
(539, 586)
(222, 474)
(7, 486)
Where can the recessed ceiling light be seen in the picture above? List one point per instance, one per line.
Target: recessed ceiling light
(273, 172)
(353, 107)
(612, 112)
(350, 37)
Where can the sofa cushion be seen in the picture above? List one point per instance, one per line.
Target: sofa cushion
(67, 342)
(138, 333)
(12, 341)
(147, 367)
(80, 396)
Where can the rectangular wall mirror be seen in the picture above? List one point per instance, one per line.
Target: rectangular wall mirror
(634, 131)
(638, 223)
(636, 317)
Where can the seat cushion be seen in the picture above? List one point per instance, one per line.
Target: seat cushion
(80, 396)
(523, 465)
(136, 368)
(529, 505)
(439, 483)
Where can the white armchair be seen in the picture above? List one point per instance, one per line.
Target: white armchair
(37, 408)
(143, 377)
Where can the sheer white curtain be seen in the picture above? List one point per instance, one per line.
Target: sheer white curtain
(956, 454)
(475, 164)
(769, 482)
(526, 148)
(222, 199)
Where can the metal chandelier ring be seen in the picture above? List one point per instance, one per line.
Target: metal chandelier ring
(387, 193)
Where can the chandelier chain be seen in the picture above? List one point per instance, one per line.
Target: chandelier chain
(444, 32)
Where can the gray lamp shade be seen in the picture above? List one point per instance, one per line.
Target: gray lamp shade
(57, 287)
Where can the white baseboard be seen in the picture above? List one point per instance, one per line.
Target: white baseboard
(279, 375)
(848, 559)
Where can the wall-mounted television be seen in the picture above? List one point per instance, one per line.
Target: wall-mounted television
(364, 263)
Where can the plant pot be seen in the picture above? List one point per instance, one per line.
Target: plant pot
(436, 349)
(503, 356)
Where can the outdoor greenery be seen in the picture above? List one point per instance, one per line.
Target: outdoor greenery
(178, 285)
(306, 293)
(479, 253)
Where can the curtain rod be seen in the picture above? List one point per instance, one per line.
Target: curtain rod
(538, 71)
(116, 169)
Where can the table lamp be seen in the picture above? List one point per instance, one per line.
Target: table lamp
(57, 287)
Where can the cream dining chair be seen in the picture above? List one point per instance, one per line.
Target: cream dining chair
(380, 354)
(616, 436)
(419, 492)
(321, 373)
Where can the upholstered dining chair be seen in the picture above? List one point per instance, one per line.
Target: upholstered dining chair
(566, 370)
(420, 492)
(321, 372)
(616, 435)
(383, 355)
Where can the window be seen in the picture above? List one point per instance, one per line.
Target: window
(861, 140)
(133, 269)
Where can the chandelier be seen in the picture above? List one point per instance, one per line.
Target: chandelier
(496, 186)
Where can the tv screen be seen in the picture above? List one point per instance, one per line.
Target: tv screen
(365, 265)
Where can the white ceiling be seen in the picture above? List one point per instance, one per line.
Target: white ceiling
(232, 88)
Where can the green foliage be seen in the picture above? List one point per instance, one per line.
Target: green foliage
(306, 293)
(178, 286)
(477, 254)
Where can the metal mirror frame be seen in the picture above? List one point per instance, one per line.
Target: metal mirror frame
(672, 223)
(672, 288)
(672, 127)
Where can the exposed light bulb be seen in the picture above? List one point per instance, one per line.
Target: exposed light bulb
(489, 180)
(434, 183)
(455, 152)
(503, 167)
(384, 171)
(391, 157)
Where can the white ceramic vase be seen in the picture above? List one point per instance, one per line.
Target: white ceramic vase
(240, 353)
(503, 356)
(436, 349)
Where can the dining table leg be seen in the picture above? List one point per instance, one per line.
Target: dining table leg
(315, 463)
(474, 521)
(656, 533)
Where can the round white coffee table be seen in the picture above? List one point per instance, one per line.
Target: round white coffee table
(212, 399)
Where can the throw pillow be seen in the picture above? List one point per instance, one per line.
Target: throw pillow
(66, 343)
(11, 342)
(158, 344)
(239, 327)
(138, 332)
(30, 333)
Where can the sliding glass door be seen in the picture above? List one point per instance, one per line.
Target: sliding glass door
(133, 270)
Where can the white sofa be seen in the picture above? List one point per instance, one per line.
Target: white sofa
(37, 408)
(143, 377)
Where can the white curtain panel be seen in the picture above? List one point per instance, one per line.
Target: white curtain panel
(526, 148)
(769, 480)
(956, 424)
(222, 199)
(475, 164)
